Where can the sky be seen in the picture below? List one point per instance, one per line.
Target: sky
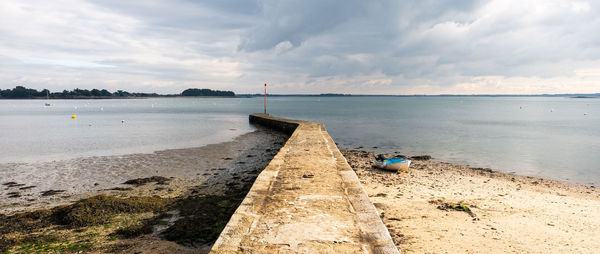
(305, 47)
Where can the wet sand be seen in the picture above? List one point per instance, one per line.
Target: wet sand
(24, 184)
(508, 213)
(189, 180)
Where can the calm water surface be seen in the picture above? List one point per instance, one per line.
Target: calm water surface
(32, 132)
(557, 138)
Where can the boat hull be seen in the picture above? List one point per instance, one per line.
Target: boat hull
(391, 165)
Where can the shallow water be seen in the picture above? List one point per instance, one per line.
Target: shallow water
(549, 137)
(32, 132)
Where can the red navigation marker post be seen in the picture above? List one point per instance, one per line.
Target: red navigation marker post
(265, 98)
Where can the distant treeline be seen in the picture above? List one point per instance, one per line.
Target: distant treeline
(206, 92)
(21, 92)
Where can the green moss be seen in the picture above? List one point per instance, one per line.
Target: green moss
(50, 243)
(88, 236)
(51, 247)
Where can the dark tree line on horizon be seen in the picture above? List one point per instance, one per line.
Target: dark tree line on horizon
(206, 92)
(21, 92)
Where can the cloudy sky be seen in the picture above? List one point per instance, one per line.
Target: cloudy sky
(307, 46)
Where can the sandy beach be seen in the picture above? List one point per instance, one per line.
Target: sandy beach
(424, 209)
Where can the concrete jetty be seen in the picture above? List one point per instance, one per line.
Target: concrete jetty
(307, 200)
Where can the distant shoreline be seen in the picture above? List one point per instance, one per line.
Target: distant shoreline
(113, 98)
(21, 92)
(585, 97)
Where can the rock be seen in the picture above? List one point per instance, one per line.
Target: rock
(421, 158)
(483, 169)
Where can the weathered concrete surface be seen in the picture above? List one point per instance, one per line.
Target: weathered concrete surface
(307, 200)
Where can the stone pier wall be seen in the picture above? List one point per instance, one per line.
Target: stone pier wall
(307, 200)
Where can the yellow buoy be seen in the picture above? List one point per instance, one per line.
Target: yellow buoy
(74, 116)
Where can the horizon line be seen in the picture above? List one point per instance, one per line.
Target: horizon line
(413, 95)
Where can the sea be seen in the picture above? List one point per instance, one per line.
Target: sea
(550, 137)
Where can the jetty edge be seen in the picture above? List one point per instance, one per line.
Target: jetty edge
(307, 200)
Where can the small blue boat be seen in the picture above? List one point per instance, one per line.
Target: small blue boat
(396, 164)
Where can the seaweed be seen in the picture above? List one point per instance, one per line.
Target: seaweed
(142, 181)
(204, 217)
(14, 194)
(453, 207)
(25, 222)
(86, 212)
(13, 184)
(135, 230)
(121, 188)
(95, 210)
(51, 192)
(99, 209)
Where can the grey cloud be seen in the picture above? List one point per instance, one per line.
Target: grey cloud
(415, 39)
(296, 21)
(183, 14)
(236, 43)
(382, 29)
